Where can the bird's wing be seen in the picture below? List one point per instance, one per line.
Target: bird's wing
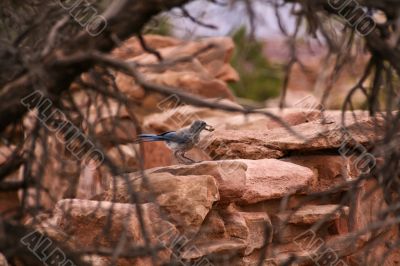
(153, 137)
(166, 133)
(173, 136)
(146, 135)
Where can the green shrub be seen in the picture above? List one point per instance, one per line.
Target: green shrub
(159, 25)
(259, 79)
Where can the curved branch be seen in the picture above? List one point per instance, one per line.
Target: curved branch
(130, 69)
(124, 18)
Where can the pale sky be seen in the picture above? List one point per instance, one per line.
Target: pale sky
(227, 19)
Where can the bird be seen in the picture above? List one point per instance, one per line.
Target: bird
(179, 141)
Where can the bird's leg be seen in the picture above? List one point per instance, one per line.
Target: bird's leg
(178, 157)
(187, 158)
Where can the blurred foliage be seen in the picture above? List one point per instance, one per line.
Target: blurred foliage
(259, 79)
(159, 25)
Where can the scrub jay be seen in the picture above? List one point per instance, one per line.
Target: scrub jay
(179, 141)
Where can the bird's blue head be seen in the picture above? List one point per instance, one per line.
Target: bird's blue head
(199, 125)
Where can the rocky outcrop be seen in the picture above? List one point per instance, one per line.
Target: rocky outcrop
(257, 192)
(270, 179)
(201, 68)
(332, 170)
(234, 210)
(276, 143)
(184, 199)
(310, 214)
(242, 181)
(85, 220)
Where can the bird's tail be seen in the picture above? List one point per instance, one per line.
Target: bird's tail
(149, 138)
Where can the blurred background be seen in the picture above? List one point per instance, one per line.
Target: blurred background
(299, 96)
(263, 52)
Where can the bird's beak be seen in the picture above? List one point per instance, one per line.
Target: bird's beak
(209, 128)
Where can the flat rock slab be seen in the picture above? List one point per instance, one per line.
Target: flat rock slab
(230, 175)
(276, 143)
(248, 181)
(311, 214)
(185, 199)
(101, 224)
(199, 249)
(85, 219)
(243, 181)
(186, 193)
(271, 179)
(331, 170)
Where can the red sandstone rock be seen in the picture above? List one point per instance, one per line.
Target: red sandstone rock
(311, 214)
(257, 224)
(275, 143)
(205, 75)
(270, 179)
(218, 247)
(229, 175)
(227, 73)
(235, 224)
(213, 228)
(123, 132)
(85, 221)
(155, 154)
(131, 47)
(59, 179)
(228, 227)
(218, 54)
(381, 254)
(369, 203)
(330, 170)
(186, 199)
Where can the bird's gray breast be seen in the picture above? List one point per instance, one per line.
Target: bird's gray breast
(183, 142)
(175, 146)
